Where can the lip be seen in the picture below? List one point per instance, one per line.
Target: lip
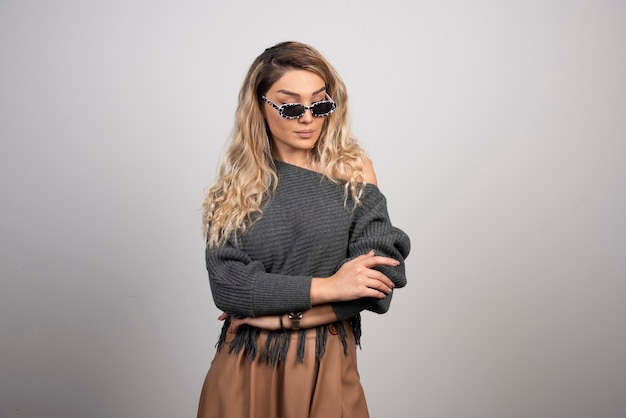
(305, 133)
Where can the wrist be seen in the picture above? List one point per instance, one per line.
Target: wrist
(321, 290)
(295, 318)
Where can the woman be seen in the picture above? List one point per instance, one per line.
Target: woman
(299, 242)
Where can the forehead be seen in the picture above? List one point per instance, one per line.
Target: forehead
(301, 82)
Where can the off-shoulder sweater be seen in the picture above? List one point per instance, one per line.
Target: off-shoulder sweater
(308, 229)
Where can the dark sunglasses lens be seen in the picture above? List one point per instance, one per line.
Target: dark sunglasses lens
(323, 108)
(293, 111)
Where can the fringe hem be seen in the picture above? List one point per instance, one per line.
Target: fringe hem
(278, 342)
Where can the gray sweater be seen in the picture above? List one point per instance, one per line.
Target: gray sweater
(306, 231)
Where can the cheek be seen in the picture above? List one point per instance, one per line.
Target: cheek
(271, 123)
(275, 124)
(320, 123)
(279, 123)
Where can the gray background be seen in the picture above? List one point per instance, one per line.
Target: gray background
(498, 131)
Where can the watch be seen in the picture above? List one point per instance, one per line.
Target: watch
(295, 318)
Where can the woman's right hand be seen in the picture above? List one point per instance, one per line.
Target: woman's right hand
(354, 280)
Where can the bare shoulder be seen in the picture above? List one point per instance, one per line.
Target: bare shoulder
(370, 173)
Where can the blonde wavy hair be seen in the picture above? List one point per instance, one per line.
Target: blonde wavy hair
(247, 174)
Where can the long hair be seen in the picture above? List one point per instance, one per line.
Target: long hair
(247, 174)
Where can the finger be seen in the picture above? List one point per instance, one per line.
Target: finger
(223, 316)
(375, 292)
(382, 279)
(379, 260)
(365, 256)
(380, 287)
(235, 323)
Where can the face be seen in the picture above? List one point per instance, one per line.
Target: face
(292, 139)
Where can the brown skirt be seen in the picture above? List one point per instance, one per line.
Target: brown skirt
(237, 387)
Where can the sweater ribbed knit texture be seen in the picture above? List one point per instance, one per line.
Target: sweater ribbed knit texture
(306, 231)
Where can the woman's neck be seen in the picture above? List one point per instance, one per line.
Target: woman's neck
(298, 159)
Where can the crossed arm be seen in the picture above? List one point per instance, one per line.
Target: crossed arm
(356, 279)
(364, 282)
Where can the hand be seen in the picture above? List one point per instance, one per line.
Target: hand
(269, 322)
(357, 279)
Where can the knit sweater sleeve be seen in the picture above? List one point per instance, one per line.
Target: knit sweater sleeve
(241, 286)
(372, 230)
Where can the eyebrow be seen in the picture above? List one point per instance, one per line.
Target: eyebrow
(290, 93)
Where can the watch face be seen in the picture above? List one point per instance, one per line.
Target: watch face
(295, 318)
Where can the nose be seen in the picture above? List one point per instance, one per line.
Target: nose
(307, 117)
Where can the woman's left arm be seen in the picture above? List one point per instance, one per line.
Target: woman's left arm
(317, 315)
(373, 230)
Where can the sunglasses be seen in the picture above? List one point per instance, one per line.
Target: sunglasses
(296, 110)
